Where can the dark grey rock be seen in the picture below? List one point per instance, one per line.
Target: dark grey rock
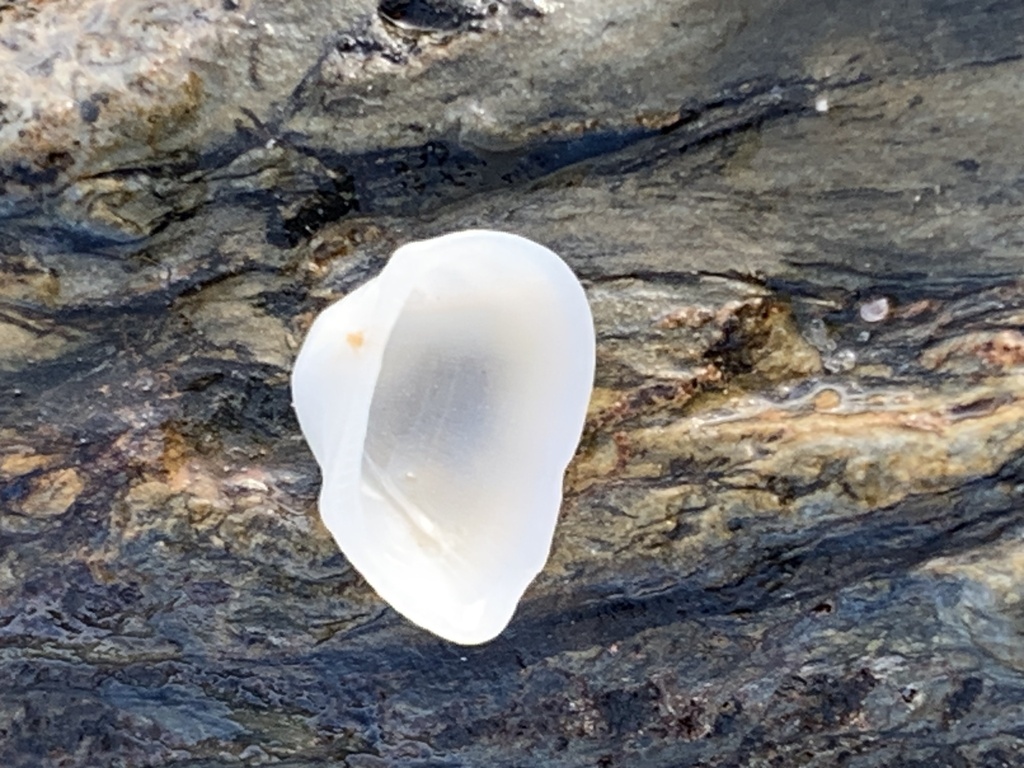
(794, 531)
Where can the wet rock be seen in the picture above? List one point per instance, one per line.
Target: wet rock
(792, 532)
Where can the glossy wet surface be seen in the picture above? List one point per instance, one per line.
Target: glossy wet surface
(792, 534)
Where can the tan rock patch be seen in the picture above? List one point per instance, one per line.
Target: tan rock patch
(53, 493)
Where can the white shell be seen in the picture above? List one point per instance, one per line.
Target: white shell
(443, 400)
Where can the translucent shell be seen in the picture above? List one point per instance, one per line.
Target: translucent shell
(443, 400)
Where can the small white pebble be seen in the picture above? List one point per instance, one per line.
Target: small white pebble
(874, 311)
(251, 484)
(821, 104)
(841, 362)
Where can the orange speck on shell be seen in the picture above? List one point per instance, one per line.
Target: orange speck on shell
(355, 339)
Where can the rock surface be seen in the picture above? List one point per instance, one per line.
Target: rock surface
(794, 532)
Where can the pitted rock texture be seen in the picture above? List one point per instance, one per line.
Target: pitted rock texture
(793, 534)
